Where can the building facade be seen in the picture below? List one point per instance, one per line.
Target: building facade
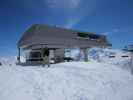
(57, 40)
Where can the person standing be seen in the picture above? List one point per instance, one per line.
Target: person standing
(45, 57)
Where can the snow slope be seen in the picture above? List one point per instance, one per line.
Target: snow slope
(102, 55)
(66, 81)
(8, 61)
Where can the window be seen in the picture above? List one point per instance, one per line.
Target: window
(83, 35)
(35, 54)
(88, 36)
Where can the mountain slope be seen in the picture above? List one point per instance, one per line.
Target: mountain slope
(104, 56)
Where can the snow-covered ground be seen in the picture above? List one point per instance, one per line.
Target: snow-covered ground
(93, 80)
(103, 55)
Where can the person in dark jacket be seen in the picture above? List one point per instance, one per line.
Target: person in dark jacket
(45, 56)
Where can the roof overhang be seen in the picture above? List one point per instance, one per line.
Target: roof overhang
(39, 36)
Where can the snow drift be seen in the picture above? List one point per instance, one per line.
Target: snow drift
(66, 81)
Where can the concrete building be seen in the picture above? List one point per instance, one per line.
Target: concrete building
(57, 40)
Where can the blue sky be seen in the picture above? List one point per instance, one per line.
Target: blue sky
(113, 18)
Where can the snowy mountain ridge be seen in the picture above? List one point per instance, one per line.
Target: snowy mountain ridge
(111, 56)
(8, 60)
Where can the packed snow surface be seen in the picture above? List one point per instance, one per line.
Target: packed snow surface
(66, 81)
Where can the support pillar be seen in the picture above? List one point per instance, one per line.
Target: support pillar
(131, 62)
(18, 58)
(59, 55)
(85, 53)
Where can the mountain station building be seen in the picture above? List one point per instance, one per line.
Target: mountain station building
(57, 39)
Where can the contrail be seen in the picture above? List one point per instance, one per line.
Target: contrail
(75, 10)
